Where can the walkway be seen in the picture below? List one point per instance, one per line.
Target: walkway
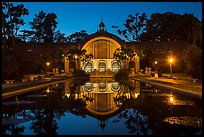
(21, 87)
(181, 86)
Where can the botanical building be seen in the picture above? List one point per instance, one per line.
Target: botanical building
(102, 46)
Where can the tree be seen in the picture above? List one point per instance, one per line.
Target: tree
(57, 60)
(170, 27)
(134, 26)
(193, 58)
(43, 26)
(77, 36)
(78, 56)
(59, 37)
(4, 17)
(49, 27)
(26, 35)
(124, 56)
(147, 59)
(12, 20)
(37, 26)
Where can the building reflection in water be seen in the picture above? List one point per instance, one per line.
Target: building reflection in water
(103, 96)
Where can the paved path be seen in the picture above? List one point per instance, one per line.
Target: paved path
(15, 84)
(182, 86)
(22, 87)
(19, 83)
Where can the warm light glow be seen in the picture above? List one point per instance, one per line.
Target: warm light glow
(67, 95)
(127, 95)
(136, 95)
(75, 56)
(155, 62)
(171, 60)
(171, 99)
(48, 90)
(48, 63)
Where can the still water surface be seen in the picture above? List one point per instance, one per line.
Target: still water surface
(101, 107)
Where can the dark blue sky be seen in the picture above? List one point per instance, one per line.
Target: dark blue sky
(75, 16)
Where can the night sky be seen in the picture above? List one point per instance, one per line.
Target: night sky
(76, 16)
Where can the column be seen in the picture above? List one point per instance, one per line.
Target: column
(137, 64)
(66, 65)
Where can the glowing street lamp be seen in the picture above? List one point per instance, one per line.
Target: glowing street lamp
(171, 61)
(48, 64)
(156, 69)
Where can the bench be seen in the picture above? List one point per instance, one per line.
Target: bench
(32, 77)
(48, 78)
(24, 80)
(9, 81)
(194, 80)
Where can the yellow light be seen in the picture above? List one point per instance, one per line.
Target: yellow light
(67, 95)
(171, 99)
(48, 63)
(48, 90)
(127, 95)
(136, 95)
(171, 60)
(155, 62)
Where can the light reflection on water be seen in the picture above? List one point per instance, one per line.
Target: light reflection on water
(101, 106)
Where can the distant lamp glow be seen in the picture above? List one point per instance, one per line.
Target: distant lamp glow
(75, 56)
(67, 95)
(156, 67)
(171, 99)
(136, 95)
(171, 60)
(48, 90)
(48, 64)
(127, 95)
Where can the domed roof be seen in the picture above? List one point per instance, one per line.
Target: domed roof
(102, 33)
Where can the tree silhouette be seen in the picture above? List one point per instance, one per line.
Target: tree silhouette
(12, 20)
(134, 26)
(77, 36)
(43, 26)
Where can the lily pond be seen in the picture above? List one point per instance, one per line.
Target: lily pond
(101, 107)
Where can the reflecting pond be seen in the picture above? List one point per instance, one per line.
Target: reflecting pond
(101, 107)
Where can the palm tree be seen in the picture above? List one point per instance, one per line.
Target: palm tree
(77, 56)
(124, 56)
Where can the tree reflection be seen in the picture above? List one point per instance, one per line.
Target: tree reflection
(76, 105)
(135, 122)
(45, 123)
(10, 116)
(15, 129)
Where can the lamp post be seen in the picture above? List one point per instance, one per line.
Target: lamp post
(156, 69)
(48, 64)
(76, 61)
(171, 61)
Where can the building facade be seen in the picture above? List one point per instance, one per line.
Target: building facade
(102, 46)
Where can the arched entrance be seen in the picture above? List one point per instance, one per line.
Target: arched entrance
(101, 66)
(115, 66)
(88, 67)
